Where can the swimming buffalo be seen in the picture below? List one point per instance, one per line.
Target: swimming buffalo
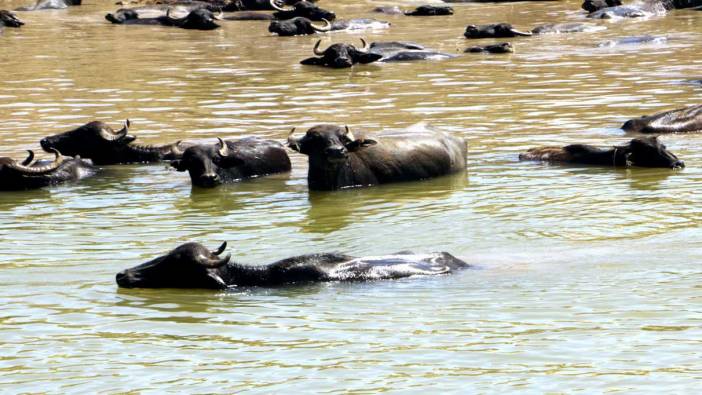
(341, 55)
(198, 19)
(399, 51)
(494, 48)
(99, 142)
(230, 161)
(338, 159)
(192, 265)
(300, 26)
(628, 11)
(642, 152)
(9, 19)
(430, 10)
(30, 175)
(257, 5)
(496, 30)
(594, 5)
(573, 27)
(302, 8)
(688, 119)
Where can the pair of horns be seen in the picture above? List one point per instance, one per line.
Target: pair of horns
(27, 168)
(347, 133)
(317, 51)
(214, 263)
(326, 28)
(109, 135)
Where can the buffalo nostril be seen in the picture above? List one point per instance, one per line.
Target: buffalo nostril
(679, 164)
(121, 277)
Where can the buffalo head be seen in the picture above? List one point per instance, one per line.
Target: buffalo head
(649, 152)
(301, 8)
(297, 26)
(122, 16)
(199, 19)
(206, 163)
(92, 140)
(190, 265)
(9, 19)
(327, 143)
(341, 55)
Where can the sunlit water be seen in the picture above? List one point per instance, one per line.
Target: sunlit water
(586, 280)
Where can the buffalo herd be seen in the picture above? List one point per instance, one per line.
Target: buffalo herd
(338, 157)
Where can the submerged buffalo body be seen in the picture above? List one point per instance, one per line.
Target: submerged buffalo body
(301, 26)
(198, 19)
(192, 265)
(398, 51)
(338, 159)
(230, 161)
(258, 5)
(624, 11)
(496, 30)
(430, 10)
(29, 175)
(50, 5)
(688, 119)
(595, 5)
(574, 27)
(100, 143)
(641, 152)
(9, 19)
(494, 48)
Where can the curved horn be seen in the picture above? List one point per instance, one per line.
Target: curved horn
(168, 12)
(316, 49)
(175, 148)
(219, 15)
(58, 161)
(291, 140)
(366, 47)
(30, 159)
(279, 8)
(114, 136)
(326, 28)
(221, 249)
(348, 134)
(212, 263)
(223, 148)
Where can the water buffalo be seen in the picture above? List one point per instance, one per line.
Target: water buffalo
(633, 40)
(341, 55)
(688, 119)
(198, 19)
(99, 142)
(257, 5)
(29, 175)
(595, 5)
(192, 265)
(496, 30)
(338, 160)
(9, 19)
(642, 152)
(495, 48)
(302, 8)
(557, 28)
(625, 11)
(399, 51)
(430, 10)
(230, 161)
(300, 25)
(389, 10)
(50, 5)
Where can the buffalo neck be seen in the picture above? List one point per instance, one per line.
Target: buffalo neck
(326, 175)
(235, 274)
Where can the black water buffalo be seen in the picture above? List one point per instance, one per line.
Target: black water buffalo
(50, 5)
(430, 10)
(594, 5)
(198, 19)
(341, 55)
(9, 19)
(557, 28)
(399, 51)
(389, 10)
(641, 152)
(302, 8)
(496, 30)
(633, 40)
(257, 5)
(301, 26)
(338, 160)
(231, 161)
(628, 11)
(688, 119)
(494, 48)
(192, 265)
(100, 143)
(30, 175)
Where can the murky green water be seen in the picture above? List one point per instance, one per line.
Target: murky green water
(588, 279)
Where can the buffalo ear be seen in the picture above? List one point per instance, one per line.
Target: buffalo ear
(360, 143)
(363, 57)
(313, 62)
(178, 165)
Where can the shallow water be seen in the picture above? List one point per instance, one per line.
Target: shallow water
(586, 279)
